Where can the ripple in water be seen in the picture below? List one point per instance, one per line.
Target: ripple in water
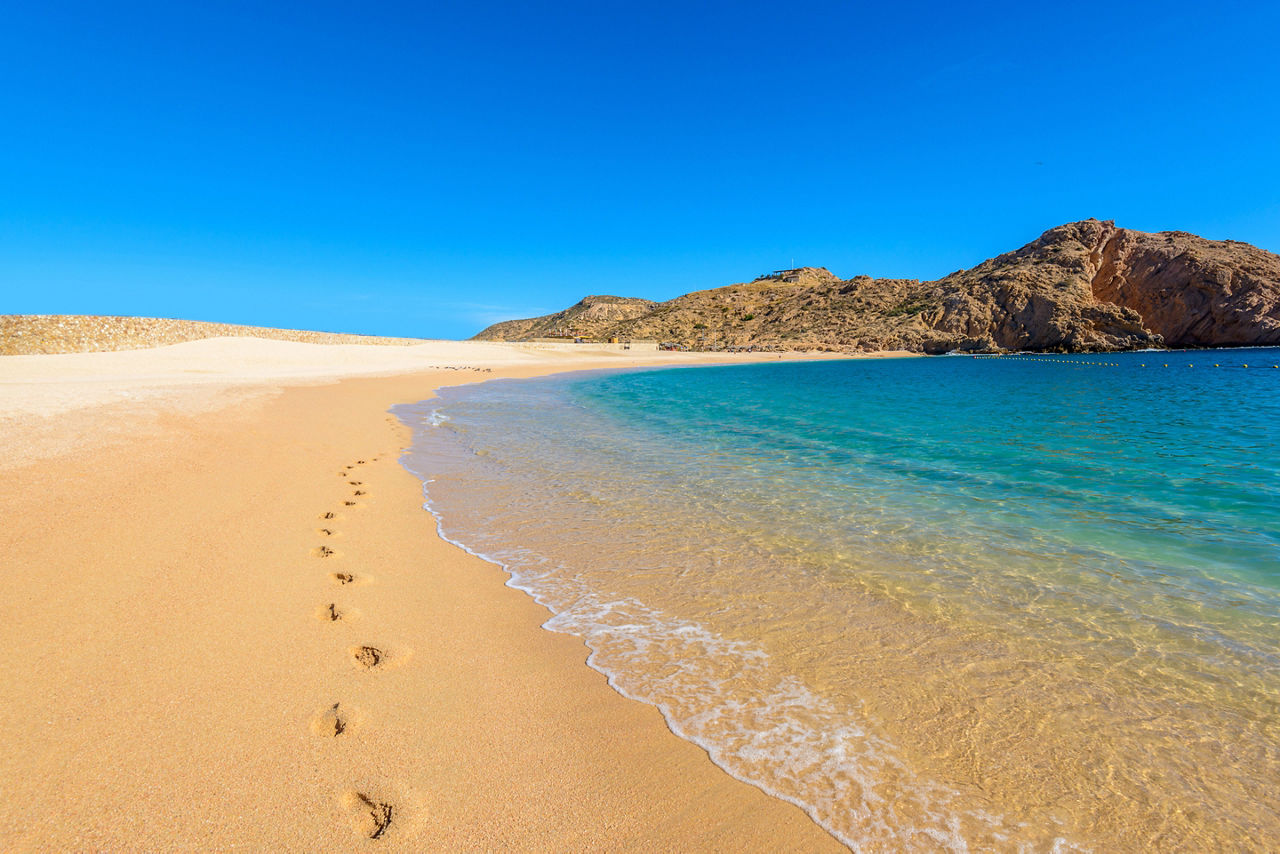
(940, 604)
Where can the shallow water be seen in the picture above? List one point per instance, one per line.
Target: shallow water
(1016, 603)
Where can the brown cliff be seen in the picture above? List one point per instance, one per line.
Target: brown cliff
(1193, 292)
(1084, 286)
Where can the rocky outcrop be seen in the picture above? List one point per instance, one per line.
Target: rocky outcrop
(1039, 297)
(1084, 286)
(1193, 292)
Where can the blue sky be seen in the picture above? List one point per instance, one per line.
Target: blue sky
(426, 169)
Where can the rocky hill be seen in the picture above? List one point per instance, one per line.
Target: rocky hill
(1080, 287)
(593, 317)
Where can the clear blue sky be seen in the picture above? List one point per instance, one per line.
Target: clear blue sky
(428, 168)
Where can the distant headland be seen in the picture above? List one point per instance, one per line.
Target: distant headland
(1081, 287)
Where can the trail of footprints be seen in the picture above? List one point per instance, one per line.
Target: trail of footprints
(371, 817)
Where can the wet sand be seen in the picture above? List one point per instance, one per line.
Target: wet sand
(228, 623)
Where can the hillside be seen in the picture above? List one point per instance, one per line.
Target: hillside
(1083, 286)
(593, 317)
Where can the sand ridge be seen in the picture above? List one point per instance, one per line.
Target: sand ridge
(234, 625)
(29, 334)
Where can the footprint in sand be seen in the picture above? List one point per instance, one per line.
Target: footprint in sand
(326, 532)
(323, 551)
(356, 482)
(371, 817)
(368, 657)
(379, 657)
(360, 492)
(332, 722)
(332, 613)
(350, 579)
(329, 515)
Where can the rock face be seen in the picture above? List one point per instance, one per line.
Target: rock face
(1194, 292)
(1039, 297)
(1084, 286)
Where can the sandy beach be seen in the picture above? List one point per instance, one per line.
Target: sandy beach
(230, 624)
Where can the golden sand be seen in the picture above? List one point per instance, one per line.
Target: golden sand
(228, 623)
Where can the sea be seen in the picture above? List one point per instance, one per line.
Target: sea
(961, 603)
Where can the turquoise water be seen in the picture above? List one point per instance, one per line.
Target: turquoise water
(1015, 603)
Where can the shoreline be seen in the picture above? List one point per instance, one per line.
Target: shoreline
(941, 645)
(174, 654)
